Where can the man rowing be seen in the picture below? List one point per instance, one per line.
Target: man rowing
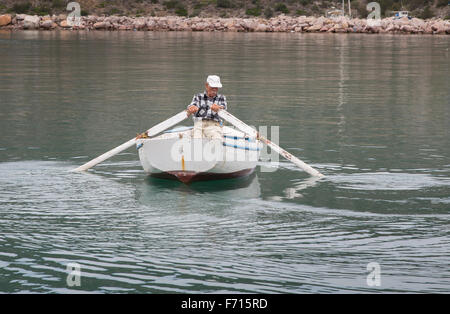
(205, 106)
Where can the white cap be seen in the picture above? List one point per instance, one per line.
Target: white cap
(214, 81)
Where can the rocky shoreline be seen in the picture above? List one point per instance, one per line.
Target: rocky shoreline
(280, 23)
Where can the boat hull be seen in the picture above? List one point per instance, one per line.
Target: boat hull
(176, 155)
(190, 176)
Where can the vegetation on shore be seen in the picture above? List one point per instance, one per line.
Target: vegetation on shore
(225, 8)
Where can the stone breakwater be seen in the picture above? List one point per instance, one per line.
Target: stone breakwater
(277, 24)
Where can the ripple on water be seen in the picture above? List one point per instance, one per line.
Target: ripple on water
(141, 235)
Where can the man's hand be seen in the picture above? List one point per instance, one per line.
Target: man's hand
(192, 109)
(216, 107)
(142, 135)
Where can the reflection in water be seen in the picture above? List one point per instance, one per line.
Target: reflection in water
(342, 48)
(245, 188)
(295, 187)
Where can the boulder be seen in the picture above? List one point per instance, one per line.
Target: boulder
(184, 26)
(64, 24)
(125, 28)
(80, 27)
(438, 27)
(406, 29)
(5, 19)
(31, 22)
(47, 24)
(231, 25)
(326, 27)
(61, 17)
(315, 27)
(151, 25)
(249, 25)
(102, 25)
(139, 24)
(261, 28)
(20, 17)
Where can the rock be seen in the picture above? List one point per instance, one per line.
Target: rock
(390, 28)
(184, 26)
(112, 19)
(406, 29)
(47, 24)
(5, 19)
(125, 28)
(31, 22)
(315, 27)
(280, 23)
(64, 24)
(438, 27)
(61, 17)
(151, 25)
(231, 26)
(325, 28)
(198, 27)
(261, 28)
(139, 25)
(102, 25)
(249, 25)
(20, 17)
(80, 27)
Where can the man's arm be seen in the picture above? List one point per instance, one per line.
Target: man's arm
(194, 106)
(221, 104)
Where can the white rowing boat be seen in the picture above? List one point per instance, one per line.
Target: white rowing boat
(176, 154)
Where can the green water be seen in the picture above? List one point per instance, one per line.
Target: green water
(370, 112)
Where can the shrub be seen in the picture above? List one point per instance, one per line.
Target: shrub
(281, 7)
(114, 11)
(41, 10)
(181, 11)
(268, 13)
(427, 13)
(21, 8)
(58, 4)
(253, 11)
(198, 6)
(226, 4)
(171, 4)
(196, 12)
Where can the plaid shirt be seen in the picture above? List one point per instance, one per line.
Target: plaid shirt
(204, 103)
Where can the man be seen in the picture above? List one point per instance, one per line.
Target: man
(205, 107)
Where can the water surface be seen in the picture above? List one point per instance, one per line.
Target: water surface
(370, 112)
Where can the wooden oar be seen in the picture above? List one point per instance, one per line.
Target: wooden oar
(253, 133)
(151, 132)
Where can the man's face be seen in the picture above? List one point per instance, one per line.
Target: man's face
(211, 91)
